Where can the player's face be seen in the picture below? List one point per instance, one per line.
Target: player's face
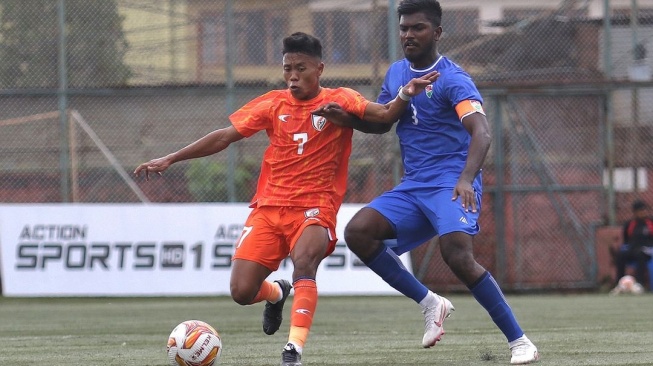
(418, 39)
(302, 75)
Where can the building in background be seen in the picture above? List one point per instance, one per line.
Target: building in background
(199, 41)
(158, 33)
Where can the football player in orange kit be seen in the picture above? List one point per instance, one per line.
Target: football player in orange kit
(301, 185)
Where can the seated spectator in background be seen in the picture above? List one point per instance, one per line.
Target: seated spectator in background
(638, 244)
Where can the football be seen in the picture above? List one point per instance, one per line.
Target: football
(628, 285)
(194, 343)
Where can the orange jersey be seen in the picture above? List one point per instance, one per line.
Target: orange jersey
(305, 164)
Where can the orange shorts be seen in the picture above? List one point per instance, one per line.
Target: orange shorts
(270, 233)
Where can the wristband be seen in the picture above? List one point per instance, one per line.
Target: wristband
(403, 96)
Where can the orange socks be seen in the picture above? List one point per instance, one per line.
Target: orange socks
(303, 308)
(269, 291)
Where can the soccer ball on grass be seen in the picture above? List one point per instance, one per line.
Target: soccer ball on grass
(628, 285)
(194, 343)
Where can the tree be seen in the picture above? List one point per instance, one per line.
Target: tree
(207, 180)
(29, 41)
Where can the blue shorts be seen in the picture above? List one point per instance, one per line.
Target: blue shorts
(419, 214)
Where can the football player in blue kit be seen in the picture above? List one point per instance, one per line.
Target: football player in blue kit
(444, 139)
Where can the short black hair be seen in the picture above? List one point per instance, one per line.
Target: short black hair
(300, 42)
(430, 8)
(639, 205)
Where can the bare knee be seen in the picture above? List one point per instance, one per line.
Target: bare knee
(356, 234)
(364, 232)
(305, 266)
(309, 250)
(246, 280)
(460, 262)
(242, 295)
(457, 252)
(361, 241)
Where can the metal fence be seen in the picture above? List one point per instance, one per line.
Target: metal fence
(88, 90)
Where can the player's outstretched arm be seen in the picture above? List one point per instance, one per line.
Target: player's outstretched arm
(339, 116)
(378, 113)
(392, 111)
(211, 143)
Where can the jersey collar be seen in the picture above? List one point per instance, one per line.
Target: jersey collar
(428, 68)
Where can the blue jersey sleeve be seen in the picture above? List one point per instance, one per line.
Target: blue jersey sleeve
(459, 86)
(392, 82)
(385, 95)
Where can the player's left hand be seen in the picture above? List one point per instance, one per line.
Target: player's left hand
(467, 195)
(417, 85)
(334, 113)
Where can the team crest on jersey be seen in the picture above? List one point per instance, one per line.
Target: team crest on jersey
(318, 122)
(312, 212)
(429, 90)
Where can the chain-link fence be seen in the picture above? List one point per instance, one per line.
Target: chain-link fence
(91, 89)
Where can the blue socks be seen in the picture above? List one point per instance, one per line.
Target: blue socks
(487, 292)
(388, 266)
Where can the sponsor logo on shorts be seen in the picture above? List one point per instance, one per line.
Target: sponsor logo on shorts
(312, 212)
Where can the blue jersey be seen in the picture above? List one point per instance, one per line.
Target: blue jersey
(432, 138)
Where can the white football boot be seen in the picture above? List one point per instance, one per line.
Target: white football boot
(523, 351)
(433, 318)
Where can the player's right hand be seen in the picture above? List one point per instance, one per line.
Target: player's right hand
(153, 166)
(467, 195)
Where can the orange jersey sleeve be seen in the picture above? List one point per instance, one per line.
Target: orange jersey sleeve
(306, 163)
(255, 115)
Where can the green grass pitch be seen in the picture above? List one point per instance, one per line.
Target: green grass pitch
(587, 329)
